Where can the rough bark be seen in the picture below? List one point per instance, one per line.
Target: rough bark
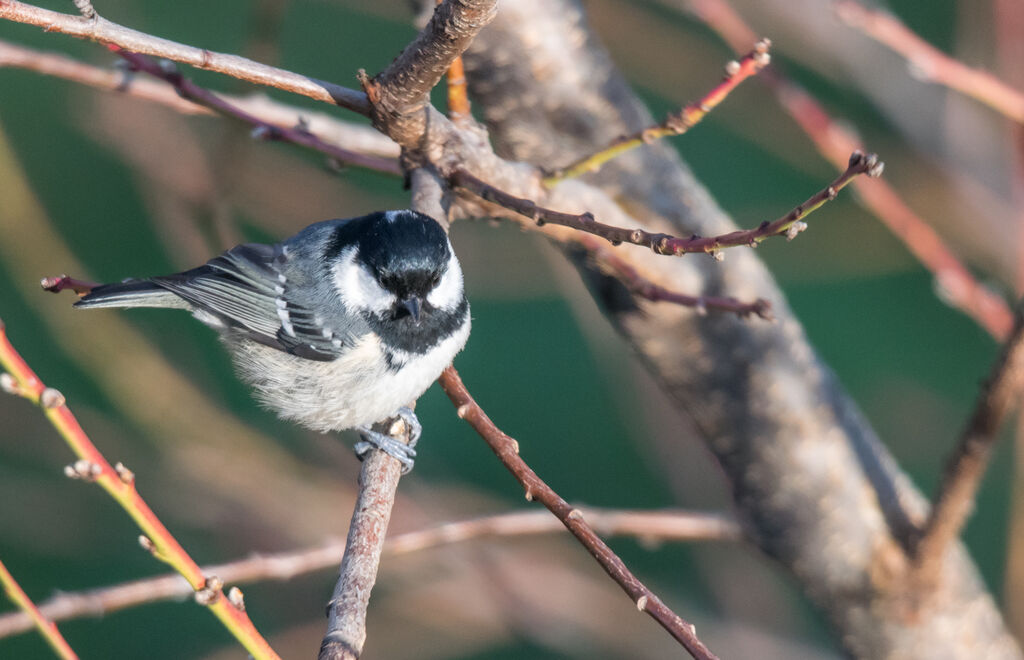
(816, 488)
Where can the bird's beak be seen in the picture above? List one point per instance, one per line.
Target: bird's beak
(412, 303)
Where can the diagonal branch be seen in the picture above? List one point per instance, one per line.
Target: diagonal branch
(788, 225)
(46, 627)
(507, 450)
(399, 94)
(931, 64)
(966, 465)
(676, 124)
(103, 31)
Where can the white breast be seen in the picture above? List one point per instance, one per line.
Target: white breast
(355, 390)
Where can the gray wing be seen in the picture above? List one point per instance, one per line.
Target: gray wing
(247, 289)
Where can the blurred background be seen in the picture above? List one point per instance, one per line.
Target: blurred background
(102, 186)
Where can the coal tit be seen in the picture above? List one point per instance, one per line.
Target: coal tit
(336, 327)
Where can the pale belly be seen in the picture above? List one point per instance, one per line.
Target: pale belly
(355, 390)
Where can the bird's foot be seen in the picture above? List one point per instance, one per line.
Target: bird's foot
(393, 447)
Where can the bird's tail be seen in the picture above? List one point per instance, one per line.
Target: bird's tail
(130, 293)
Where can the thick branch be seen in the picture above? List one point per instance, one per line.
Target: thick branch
(399, 94)
(507, 449)
(103, 31)
(966, 465)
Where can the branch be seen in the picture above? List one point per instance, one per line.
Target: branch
(45, 626)
(648, 526)
(645, 288)
(834, 141)
(507, 450)
(966, 465)
(788, 225)
(929, 63)
(677, 124)
(103, 31)
(355, 137)
(399, 94)
(300, 136)
(119, 482)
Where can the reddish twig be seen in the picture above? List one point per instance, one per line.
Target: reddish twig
(675, 124)
(959, 287)
(789, 225)
(507, 450)
(62, 282)
(46, 627)
(966, 466)
(103, 31)
(296, 135)
(649, 526)
(929, 63)
(119, 482)
(644, 288)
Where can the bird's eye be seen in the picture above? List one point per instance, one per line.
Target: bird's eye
(435, 280)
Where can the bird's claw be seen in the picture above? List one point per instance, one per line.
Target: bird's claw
(400, 451)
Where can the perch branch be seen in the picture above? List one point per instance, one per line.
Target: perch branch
(647, 526)
(929, 63)
(296, 135)
(966, 465)
(507, 450)
(789, 225)
(675, 124)
(834, 141)
(119, 483)
(46, 627)
(103, 31)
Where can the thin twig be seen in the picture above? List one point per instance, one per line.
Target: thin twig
(834, 141)
(46, 627)
(645, 288)
(929, 63)
(648, 526)
(507, 450)
(103, 31)
(966, 465)
(788, 225)
(119, 482)
(675, 124)
(295, 135)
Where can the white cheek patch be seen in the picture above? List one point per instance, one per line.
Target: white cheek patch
(448, 292)
(358, 288)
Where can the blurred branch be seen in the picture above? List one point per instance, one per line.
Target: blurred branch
(626, 273)
(646, 526)
(507, 450)
(929, 63)
(966, 466)
(676, 124)
(355, 137)
(119, 482)
(958, 286)
(103, 31)
(46, 627)
(300, 136)
(788, 225)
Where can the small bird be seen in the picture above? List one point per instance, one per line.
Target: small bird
(337, 327)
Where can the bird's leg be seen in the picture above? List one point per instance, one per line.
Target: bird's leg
(400, 451)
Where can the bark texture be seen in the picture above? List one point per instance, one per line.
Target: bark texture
(816, 488)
